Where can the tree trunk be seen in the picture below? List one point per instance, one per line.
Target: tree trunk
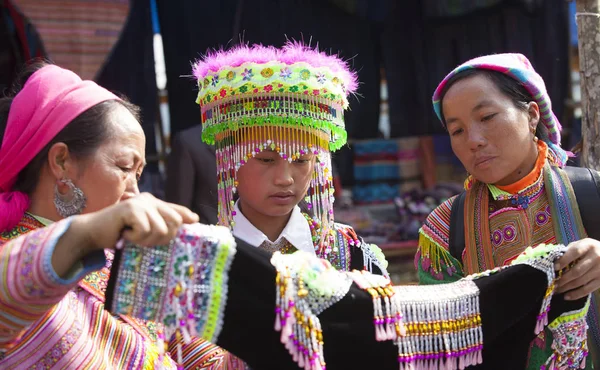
(588, 31)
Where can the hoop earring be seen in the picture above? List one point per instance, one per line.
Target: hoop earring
(69, 204)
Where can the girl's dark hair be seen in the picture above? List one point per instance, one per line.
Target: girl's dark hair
(510, 87)
(83, 135)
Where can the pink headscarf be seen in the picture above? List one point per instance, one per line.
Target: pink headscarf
(51, 98)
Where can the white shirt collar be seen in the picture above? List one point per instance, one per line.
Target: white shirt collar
(297, 231)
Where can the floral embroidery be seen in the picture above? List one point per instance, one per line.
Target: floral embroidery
(230, 76)
(268, 88)
(336, 81)
(243, 89)
(223, 93)
(497, 238)
(206, 82)
(247, 74)
(294, 88)
(305, 74)
(541, 218)
(321, 78)
(266, 72)
(509, 233)
(215, 80)
(285, 73)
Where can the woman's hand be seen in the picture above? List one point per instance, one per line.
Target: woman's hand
(143, 220)
(583, 277)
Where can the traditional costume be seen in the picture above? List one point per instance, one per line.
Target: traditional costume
(46, 321)
(279, 311)
(501, 221)
(291, 101)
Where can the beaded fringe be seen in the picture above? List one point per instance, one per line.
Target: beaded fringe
(434, 327)
(569, 330)
(305, 287)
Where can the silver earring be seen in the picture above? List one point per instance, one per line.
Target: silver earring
(69, 204)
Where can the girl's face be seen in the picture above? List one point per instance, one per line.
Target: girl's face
(270, 186)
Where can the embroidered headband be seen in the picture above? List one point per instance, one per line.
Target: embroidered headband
(289, 100)
(519, 68)
(51, 98)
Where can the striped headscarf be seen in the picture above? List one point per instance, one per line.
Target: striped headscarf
(518, 67)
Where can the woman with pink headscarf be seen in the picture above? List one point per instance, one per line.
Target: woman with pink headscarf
(70, 147)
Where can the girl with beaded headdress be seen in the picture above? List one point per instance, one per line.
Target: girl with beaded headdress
(275, 116)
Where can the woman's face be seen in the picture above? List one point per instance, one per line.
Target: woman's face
(490, 136)
(112, 173)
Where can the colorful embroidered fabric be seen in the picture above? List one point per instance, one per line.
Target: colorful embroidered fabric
(433, 260)
(511, 227)
(185, 285)
(561, 209)
(289, 100)
(305, 287)
(518, 67)
(169, 284)
(569, 330)
(434, 326)
(65, 323)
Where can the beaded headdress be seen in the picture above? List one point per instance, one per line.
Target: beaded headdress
(289, 100)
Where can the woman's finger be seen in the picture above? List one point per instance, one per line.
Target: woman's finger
(137, 226)
(173, 219)
(583, 291)
(570, 278)
(574, 251)
(159, 230)
(574, 284)
(188, 217)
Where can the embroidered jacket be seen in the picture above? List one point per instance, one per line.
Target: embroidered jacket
(515, 222)
(349, 252)
(53, 323)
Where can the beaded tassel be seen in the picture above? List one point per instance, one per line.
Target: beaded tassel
(443, 326)
(542, 258)
(305, 287)
(569, 330)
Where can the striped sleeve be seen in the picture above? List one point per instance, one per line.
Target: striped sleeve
(201, 354)
(30, 286)
(433, 260)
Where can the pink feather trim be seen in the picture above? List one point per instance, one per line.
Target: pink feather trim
(290, 53)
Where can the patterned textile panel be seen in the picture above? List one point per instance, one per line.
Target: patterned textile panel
(384, 169)
(448, 167)
(77, 34)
